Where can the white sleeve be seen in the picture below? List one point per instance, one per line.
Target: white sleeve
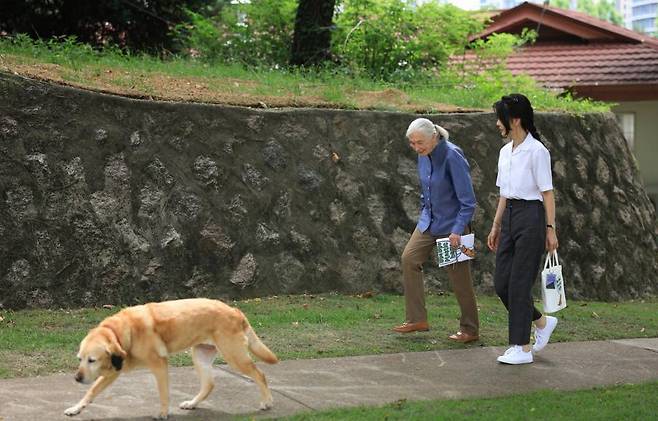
(498, 180)
(541, 169)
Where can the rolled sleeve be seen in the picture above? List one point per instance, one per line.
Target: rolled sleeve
(541, 168)
(461, 179)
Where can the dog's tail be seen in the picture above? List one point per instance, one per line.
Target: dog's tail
(257, 347)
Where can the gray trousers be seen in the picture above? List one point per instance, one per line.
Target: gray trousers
(418, 250)
(518, 258)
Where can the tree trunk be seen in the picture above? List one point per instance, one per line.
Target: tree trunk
(311, 42)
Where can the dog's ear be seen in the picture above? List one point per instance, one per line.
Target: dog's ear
(117, 354)
(117, 361)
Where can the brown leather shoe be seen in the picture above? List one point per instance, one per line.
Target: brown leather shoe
(463, 337)
(407, 327)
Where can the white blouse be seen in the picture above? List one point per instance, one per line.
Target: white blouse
(525, 172)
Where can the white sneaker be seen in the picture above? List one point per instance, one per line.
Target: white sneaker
(543, 335)
(515, 355)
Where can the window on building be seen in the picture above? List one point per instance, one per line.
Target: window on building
(627, 124)
(644, 25)
(646, 9)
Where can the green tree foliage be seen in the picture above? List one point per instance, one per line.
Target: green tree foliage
(253, 33)
(487, 74)
(383, 39)
(133, 24)
(393, 39)
(602, 9)
(494, 50)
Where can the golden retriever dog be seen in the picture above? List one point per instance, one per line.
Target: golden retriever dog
(145, 336)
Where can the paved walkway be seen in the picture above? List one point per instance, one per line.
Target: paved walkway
(307, 385)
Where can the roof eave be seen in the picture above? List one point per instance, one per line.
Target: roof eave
(551, 17)
(620, 92)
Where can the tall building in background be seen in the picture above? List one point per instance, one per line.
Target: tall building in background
(642, 16)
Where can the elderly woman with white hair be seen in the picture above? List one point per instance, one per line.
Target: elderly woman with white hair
(447, 206)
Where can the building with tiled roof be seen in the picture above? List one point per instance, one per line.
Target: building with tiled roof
(592, 58)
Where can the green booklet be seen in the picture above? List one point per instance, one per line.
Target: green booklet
(446, 255)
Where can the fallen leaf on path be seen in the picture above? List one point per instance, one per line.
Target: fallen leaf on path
(399, 403)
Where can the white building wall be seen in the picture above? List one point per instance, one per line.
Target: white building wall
(643, 16)
(645, 140)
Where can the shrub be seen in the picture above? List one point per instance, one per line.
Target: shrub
(391, 40)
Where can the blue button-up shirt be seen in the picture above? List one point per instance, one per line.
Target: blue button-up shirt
(447, 197)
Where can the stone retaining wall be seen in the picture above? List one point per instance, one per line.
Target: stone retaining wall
(114, 200)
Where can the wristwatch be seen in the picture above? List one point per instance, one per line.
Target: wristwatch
(550, 226)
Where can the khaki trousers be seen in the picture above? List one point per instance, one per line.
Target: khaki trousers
(418, 250)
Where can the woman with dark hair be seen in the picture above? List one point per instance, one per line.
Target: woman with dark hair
(524, 225)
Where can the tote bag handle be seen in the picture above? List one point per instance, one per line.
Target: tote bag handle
(557, 262)
(551, 260)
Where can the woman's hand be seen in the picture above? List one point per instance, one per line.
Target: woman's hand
(551, 240)
(455, 240)
(494, 237)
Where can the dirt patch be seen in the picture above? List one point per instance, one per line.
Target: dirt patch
(396, 99)
(388, 98)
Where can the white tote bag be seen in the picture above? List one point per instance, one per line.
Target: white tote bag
(552, 285)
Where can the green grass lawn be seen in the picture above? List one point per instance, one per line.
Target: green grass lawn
(36, 342)
(628, 402)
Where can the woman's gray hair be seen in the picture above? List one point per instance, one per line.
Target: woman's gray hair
(427, 128)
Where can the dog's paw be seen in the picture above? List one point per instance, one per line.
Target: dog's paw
(265, 405)
(187, 405)
(160, 416)
(74, 410)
